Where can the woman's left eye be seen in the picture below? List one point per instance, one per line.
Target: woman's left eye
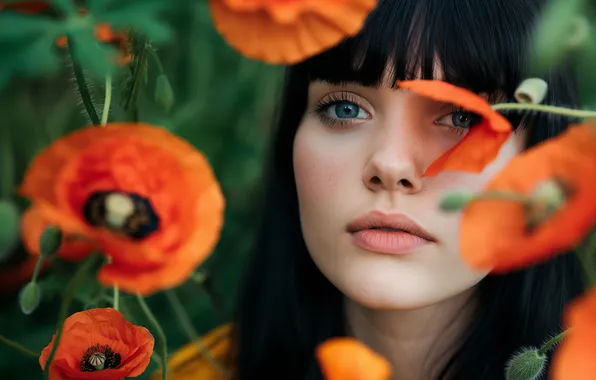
(345, 110)
(460, 119)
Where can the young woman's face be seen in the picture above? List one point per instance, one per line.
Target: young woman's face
(359, 156)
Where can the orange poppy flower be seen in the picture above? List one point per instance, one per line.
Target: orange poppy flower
(481, 144)
(105, 34)
(33, 224)
(189, 363)
(495, 233)
(99, 344)
(574, 358)
(287, 31)
(148, 199)
(31, 7)
(349, 359)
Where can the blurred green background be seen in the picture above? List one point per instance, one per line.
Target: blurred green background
(224, 106)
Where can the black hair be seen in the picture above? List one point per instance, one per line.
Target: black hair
(286, 306)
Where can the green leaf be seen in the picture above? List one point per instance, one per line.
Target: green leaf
(15, 25)
(10, 220)
(143, 16)
(40, 57)
(92, 55)
(65, 6)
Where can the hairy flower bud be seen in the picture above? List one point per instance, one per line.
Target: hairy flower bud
(528, 364)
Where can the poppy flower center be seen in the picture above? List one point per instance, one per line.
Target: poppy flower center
(123, 213)
(99, 357)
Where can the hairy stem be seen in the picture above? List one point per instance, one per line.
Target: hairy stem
(82, 85)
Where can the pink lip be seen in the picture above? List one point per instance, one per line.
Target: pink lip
(393, 234)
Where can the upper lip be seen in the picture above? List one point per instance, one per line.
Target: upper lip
(377, 219)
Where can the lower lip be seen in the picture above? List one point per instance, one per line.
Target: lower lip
(389, 242)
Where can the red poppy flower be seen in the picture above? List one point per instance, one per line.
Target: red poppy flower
(497, 234)
(287, 31)
(99, 344)
(149, 199)
(482, 143)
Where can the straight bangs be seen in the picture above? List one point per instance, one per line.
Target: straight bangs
(475, 44)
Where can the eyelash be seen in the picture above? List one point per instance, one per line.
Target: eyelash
(346, 97)
(332, 99)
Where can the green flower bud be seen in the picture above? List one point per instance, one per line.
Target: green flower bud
(455, 201)
(30, 297)
(528, 364)
(531, 91)
(10, 220)
(50, 241)
(164, 94)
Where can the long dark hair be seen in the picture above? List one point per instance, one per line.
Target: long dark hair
(286, 306)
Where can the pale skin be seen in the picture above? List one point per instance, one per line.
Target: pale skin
(409, 308)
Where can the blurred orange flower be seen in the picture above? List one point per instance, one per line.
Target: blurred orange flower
(99, 344)
(349, 359)
(33, 224)
(189, 362)
(574, 358)
(496, 233)
(148, 198)
(481, 144)
(287, 31)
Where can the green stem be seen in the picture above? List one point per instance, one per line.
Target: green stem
(552, 342)
(18, 347)
(160, 334)
(503, 195)
(131, 102)
(188, 328)
(82, 85)
(37, 268)
(71, 288)
(586, 254)
(108, 100)
(545, 108)
(116, 298)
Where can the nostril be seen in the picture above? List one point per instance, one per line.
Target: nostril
(405, 183)
(375, 180)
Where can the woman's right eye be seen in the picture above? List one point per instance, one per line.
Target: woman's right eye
(340, 112)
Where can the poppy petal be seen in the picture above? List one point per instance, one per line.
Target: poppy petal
(482, 143)
(278, 33)
(494, 233)
(574, 358)
(349, 359)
